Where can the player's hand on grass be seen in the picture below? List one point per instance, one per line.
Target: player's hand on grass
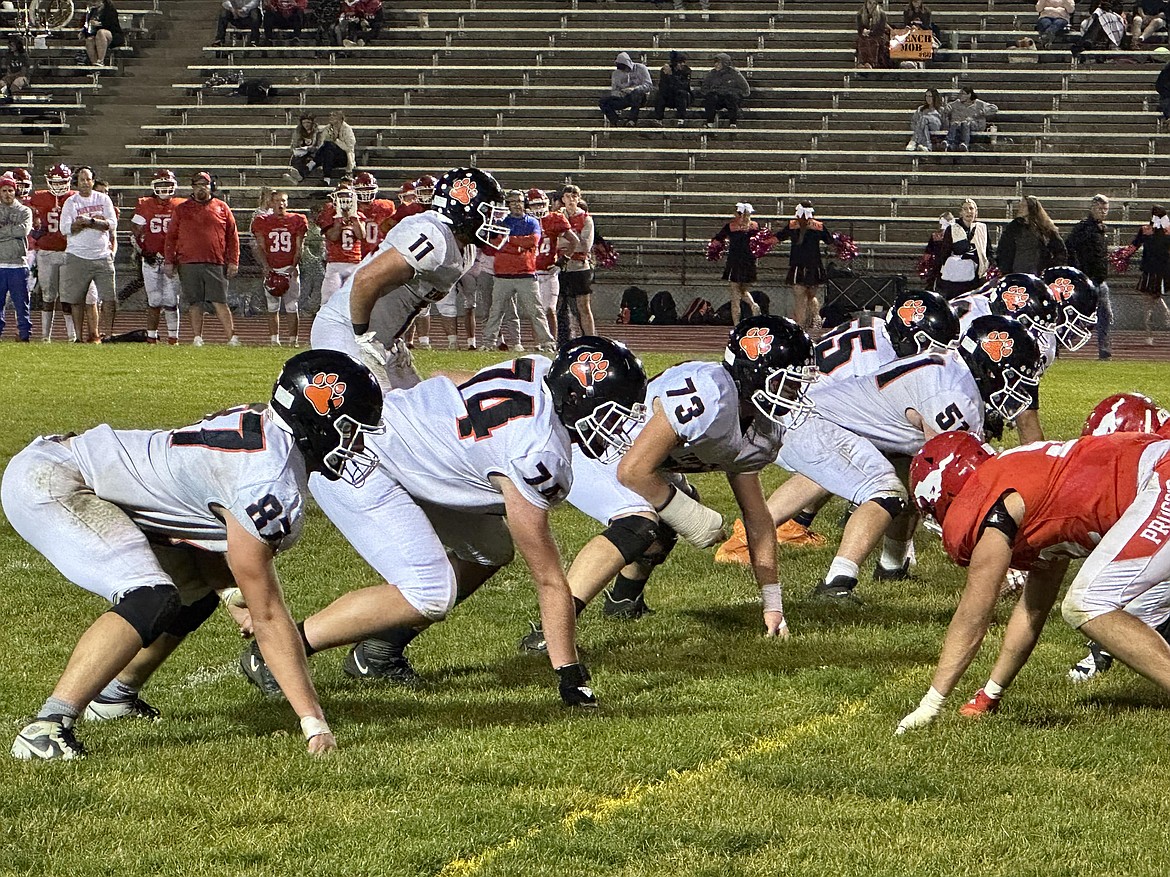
(929, 707)
(775, 625)
(322, 743)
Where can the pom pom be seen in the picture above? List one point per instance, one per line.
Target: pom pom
(927, 265)
(846, 247)
(604, 254)
(1119, 259)
(715, 250)
(761, 242)
(993, 273)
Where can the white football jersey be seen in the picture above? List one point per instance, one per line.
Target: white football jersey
(701, 402)
(938, 386)
(854, 349)
(428, 245)
(167, 481)
(443, 442)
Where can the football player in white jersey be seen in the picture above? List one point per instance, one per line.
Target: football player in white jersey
(417, 263)
(464, 471)
(156, 521)
(862, 422)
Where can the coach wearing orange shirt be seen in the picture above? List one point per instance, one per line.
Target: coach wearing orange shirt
(203, 245)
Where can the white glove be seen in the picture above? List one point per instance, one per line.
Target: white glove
(929, 707)
(373, 354)
(699, 525)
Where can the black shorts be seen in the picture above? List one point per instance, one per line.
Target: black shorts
(575, 284)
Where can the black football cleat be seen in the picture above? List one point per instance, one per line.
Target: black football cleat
(534, 641)
(256, 671)
(840, 588)
(363, 663)
(626, 610)
(574, 687)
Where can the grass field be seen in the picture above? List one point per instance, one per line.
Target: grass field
(715, 752)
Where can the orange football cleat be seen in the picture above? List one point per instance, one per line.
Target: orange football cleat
(735, 549)
(792, 533)
(980, 705)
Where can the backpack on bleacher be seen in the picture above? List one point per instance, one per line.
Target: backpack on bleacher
(662, 309)
(635, 306)
(699, 313)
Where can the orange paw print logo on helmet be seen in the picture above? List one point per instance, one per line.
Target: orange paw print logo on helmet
(911, 312)
(1061, 289)
(997, 345)
(464, 190)
(325, 392)
(1015, 298)
(590, 368)
(756, 343)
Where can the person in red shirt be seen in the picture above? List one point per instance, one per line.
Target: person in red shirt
(203, 248)
(149, 225)
(344, 227)
(555, 233)
(515, 270)
(277, 238)
(378, 211)
(46, 205)
(286, 15)
(1104, 498)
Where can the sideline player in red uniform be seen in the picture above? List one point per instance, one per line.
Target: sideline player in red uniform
(344, 227)
(378, 211)
(277, 238)
(46, 206)
(1104, 498)
(555, 232)
(150, 223)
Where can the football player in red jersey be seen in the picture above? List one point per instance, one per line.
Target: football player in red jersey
(149, 225)
(1104, 498)
(555, 234)
(344, 226)
(378, 211)
(277, 238)
(46, 206)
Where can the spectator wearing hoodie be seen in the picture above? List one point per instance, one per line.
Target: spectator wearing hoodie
(629, 86)
(966, 115)
(15, 227)
(1052, 19)
(724, 88)
(674, 87)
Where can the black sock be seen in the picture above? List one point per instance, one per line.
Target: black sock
(578, 606)
(391, 643)
(627, 589)
(309, 650)
(804, 518)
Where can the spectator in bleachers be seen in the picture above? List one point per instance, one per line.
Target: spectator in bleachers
(705, 5)
(806, 271)
(337, 146)
(917, 14)
(577, 270)
(723, 88)
(1105, 28)
(101, 31)
(964, 261)
(1030, 243)
(1147, 18)
(359, 20)
(1053, 17)
(244, 14)
(740, 270)
(873, 35)
(674, 88)
(1087, 250)
(629, 86)
(306, 138)
(933, 255)
(286, 15)
(1153, 239)
(15, 226)
(17, 69)
(965, 116)
(927, 120)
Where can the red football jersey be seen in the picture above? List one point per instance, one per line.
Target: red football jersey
(551, 228)
(1073, 492)
(349, 248)
(577, 223)
(153, 217)
(278, 236)
(377, 212)
(46, 208)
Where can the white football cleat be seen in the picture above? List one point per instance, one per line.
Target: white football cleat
(122, 709)
(46, 740)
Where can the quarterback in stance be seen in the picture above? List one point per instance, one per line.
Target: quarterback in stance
(1104, 498)
(157, 521)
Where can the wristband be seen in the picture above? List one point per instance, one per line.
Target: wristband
(933, 699)
(773, 598)
(361, 328)
(311, 727)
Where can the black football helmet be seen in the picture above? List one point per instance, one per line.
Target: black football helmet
(1025, 297)
(472, 203)
(328, 401)
(922, 322)
(1004, 359)
(1076, 302)
(771, 361)
(599, 393)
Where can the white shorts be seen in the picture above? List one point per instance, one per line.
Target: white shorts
(49, 263)
(839, 461)
(597, 492)
(336, 273)
(549, 284)
(291, 299)
(92, 542)
(1134, 556)
(407, 542)
(448, 306)
(92, 296)
(161, 291)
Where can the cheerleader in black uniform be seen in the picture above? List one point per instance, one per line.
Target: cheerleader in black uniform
(806, 271)
(1153, 239)
(741, 263)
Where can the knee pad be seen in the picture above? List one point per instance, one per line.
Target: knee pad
(657, 553)
(893, 505)
(190, 618)
(150, 611)
(632, 536)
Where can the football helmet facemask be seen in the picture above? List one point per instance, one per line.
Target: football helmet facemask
(24, 182)
(537, 202)
(472, 203)
(599, 390)
(328, 402)
(939, 471)
(344, 200)
(366, 186)
(771, 361)
(1126, 412)
(922, 322)
(1027, 299)
(1004, 359)
(1076, 302)
(163, 184)
(424, 189)
(59, 178)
